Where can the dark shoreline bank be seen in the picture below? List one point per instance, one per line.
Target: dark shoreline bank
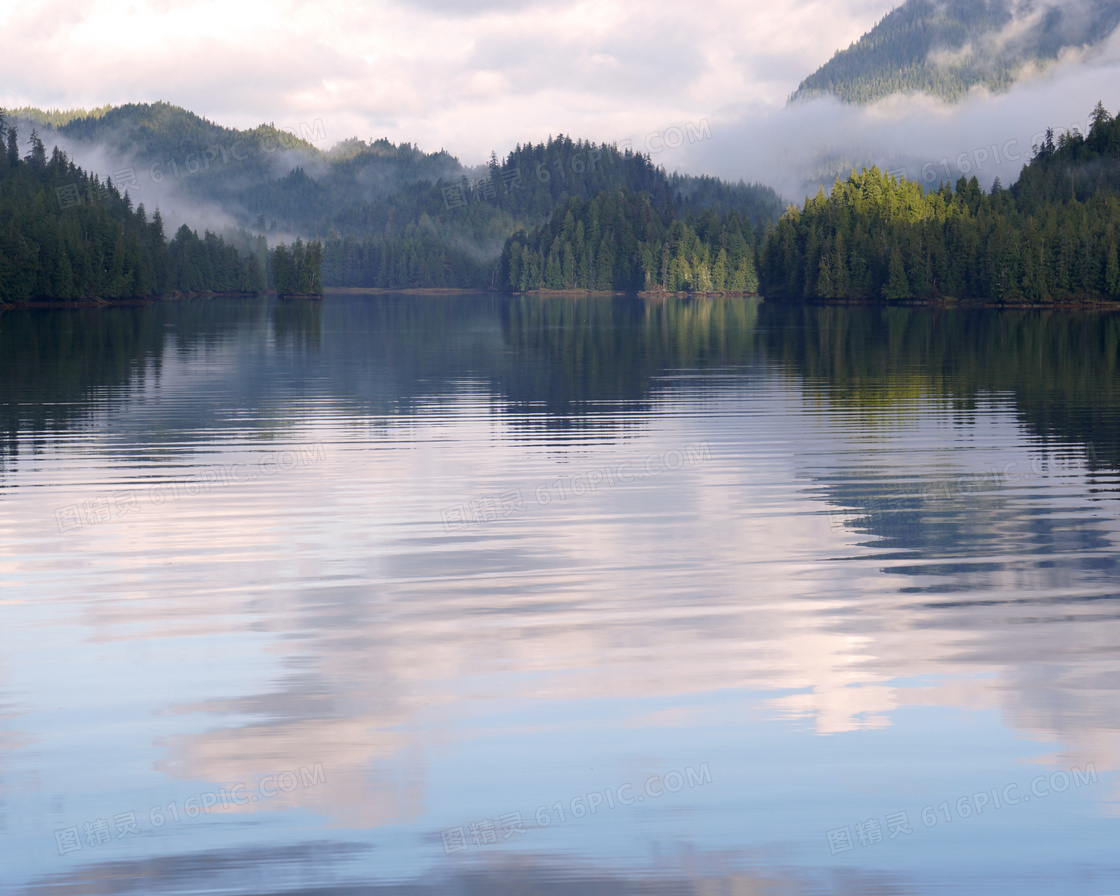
(1067, 304)
(123, 302)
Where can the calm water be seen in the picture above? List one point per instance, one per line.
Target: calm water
(482, 595)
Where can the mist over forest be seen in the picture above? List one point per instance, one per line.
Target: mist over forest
(933, 91)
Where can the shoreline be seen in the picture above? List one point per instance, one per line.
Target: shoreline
(1065, 304)
(123, 302)
(941, 302)
(413, 290)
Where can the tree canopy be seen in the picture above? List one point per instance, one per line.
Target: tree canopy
(1054, 236)
(66, 234)
(620, 240)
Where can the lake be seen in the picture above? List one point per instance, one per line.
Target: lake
(478, 594)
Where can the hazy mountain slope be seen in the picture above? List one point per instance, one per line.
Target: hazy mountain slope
(945, 47)
(391, 215)
(169, 150)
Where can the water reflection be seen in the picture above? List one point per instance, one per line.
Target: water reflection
(574, 359)
(272, 870)
(1061, 369)
(887, 580)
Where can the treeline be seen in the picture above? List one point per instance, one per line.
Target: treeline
(1076, 166)
(620, 240)
(65, 234)
(210, 264)
(388, 215)
(946, 47)
(446, 231)
(415, 259)
(878, 238)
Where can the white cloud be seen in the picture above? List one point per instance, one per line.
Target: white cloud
(487, 75)
(984, 135)
(442, 74)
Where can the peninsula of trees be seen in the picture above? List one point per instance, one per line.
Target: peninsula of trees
(297, 270)
(1053, 236)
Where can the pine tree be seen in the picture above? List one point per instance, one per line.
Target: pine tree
(13, 147)
(897, 287)
(1112, 271)
(37, 156)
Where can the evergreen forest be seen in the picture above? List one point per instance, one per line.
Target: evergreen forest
(1052, 236)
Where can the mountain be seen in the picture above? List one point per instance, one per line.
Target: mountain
(946, 47)
(390, 215)
(169, 153)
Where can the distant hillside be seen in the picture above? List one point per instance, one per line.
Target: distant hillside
(152, 129)
(390, 215)
(945, 47)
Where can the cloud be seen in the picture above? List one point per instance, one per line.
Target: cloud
(469, 78)
(458, 9)
(464, 77)
(806, 145)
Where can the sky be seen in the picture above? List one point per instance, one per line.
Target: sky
(467, 77)
(700, 87)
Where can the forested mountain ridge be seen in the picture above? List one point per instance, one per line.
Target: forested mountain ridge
(1073, 167)
(946, 47)
(389, 215)
(259, 176)
(1054, 236)
(158, 131)
(455, 231)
